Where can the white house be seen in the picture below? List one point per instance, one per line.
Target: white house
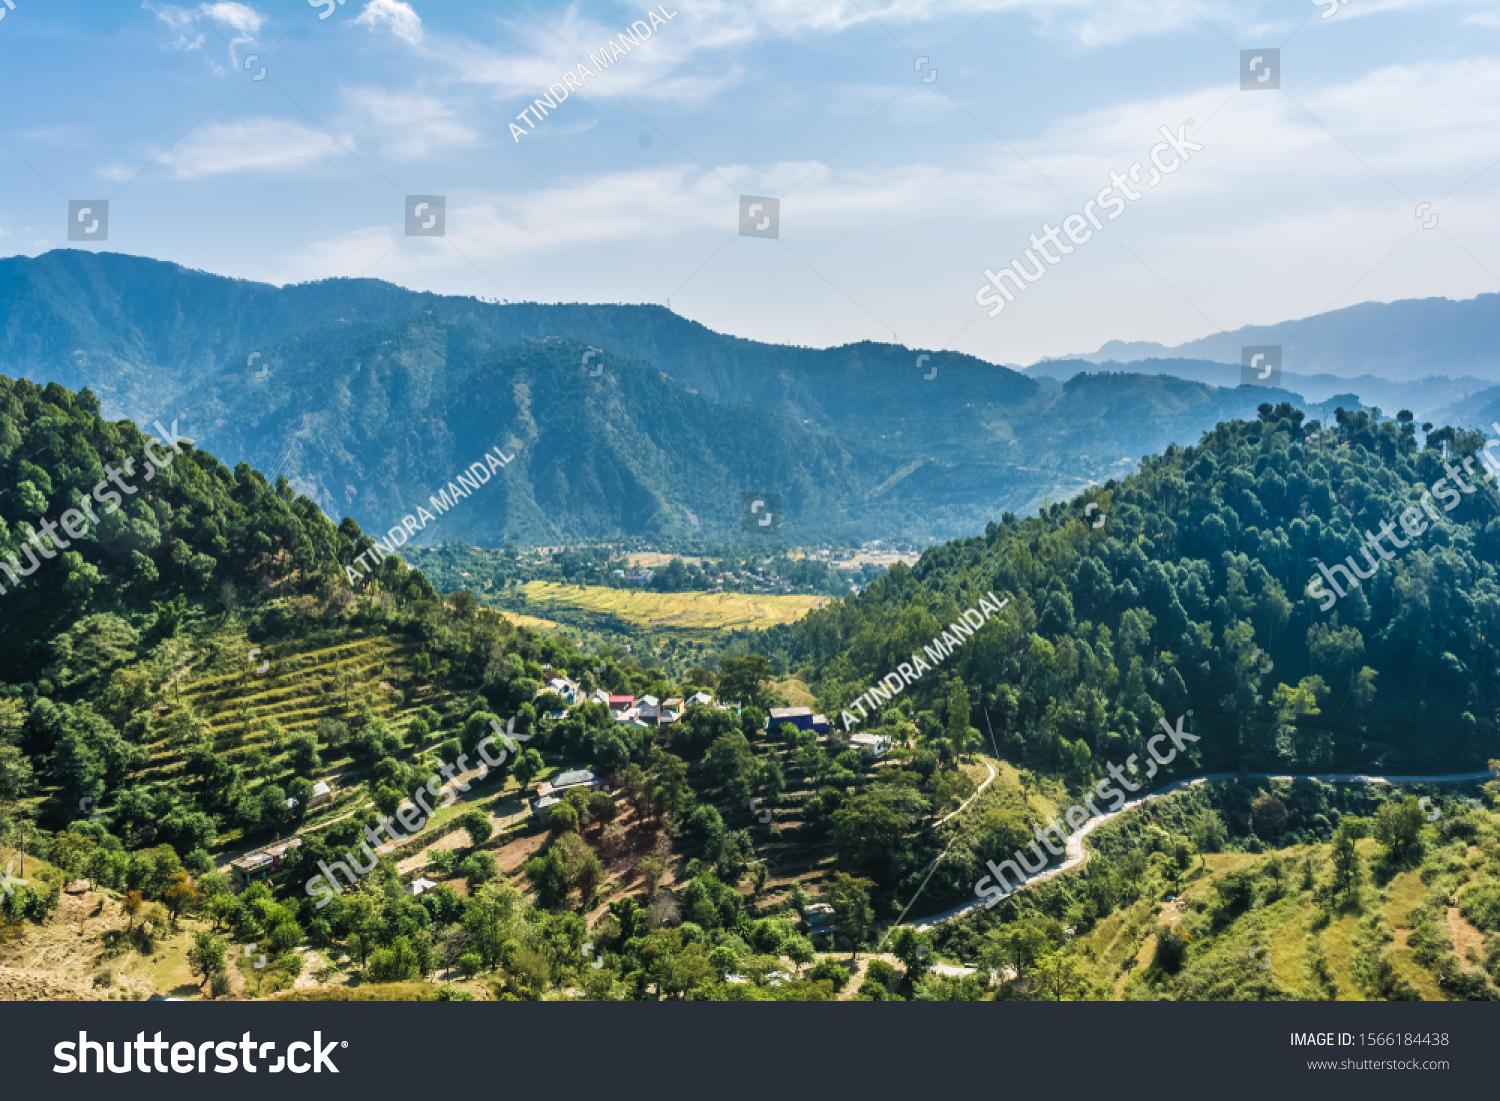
(872, 744)
(564, 687)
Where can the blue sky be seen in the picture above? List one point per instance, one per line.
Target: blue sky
(896, 193)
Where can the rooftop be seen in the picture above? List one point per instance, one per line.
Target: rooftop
(790, 712)
(259, 858)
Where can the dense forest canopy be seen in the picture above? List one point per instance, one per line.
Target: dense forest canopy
(1193, 595)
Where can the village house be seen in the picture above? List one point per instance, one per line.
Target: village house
(872, 745)
(550, 793)
(800, 717)
(264, 862)
(565, 687)
(818, 918)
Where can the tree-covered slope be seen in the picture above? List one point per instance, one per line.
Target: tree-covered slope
(374, 419)
(1192, 595)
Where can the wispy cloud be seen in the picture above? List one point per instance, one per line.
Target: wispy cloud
(189, 28)
(408, 125)
(263, 145)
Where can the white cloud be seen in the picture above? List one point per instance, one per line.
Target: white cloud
(671, 65)
(409, 125)
(255, 144)
(238, 24)
(403, 22)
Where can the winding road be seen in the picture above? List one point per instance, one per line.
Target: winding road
(1076, 854)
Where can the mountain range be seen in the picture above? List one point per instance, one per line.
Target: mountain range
(624, 419)
(1401, 341)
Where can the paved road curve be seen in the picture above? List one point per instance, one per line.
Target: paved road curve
(1076, 854)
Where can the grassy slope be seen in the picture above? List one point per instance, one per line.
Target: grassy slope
(1284, 934)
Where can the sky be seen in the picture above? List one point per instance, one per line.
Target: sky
(912, 144)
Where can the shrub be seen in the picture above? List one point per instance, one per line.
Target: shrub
(1481, 905)
(828, 969)
(478, 868)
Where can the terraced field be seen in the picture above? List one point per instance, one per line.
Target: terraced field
(305, 682)
(604, 608)
(303, 686)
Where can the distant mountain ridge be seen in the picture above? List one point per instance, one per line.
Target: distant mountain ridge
(1422, 396)
(1401, 341)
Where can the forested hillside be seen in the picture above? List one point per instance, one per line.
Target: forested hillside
(1191, 594)
(143, 747)
(366, 395)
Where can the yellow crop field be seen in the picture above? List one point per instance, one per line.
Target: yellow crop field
(688, 612)
(532, 621)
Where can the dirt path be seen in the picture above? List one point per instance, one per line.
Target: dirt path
(977, 792)
(1468, 942)
(230, 855)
